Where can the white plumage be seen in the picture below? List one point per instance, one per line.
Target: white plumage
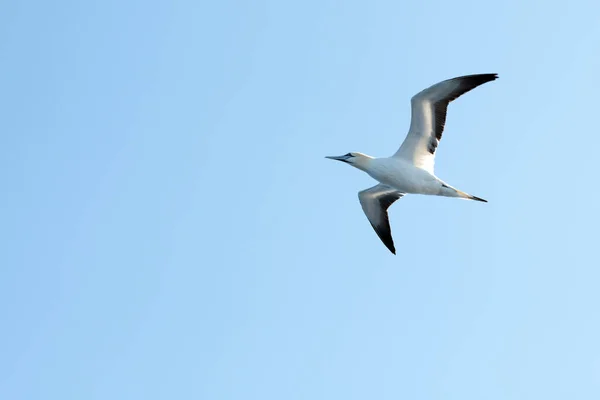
(411, 168)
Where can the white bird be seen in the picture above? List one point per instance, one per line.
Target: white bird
(410, 169)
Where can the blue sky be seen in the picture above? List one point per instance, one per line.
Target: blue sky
(170, 228)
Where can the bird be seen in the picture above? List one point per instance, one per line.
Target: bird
(410, 170)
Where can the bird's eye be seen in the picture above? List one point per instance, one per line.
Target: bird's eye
(349, 155)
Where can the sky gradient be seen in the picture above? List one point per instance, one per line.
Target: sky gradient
(170, 228)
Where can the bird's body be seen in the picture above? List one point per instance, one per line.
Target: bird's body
(403, 176)
(411, 169)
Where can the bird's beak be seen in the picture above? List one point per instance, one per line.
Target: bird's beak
(339, 158)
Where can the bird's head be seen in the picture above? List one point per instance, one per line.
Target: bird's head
(357, 160)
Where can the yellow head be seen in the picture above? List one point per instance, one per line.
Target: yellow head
(357, 160)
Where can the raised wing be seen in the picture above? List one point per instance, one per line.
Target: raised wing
(428, 118)
(375, 201)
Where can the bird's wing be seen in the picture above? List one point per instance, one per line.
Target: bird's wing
(428, 117)
(375, 201)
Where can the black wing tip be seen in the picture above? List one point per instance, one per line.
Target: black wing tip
(478, 79)
(487, 76)
(386, 238)
(391, 248)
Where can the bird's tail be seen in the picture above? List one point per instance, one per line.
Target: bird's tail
(449, 191)
(467, 196)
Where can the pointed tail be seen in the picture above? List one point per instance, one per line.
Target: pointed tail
(467, 196)
(449, 191)
(478, 199)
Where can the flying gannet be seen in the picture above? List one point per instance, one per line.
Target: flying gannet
(410, 169)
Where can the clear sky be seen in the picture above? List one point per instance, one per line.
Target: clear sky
(170, 229)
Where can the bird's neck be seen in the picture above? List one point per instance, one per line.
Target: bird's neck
(364, 162)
